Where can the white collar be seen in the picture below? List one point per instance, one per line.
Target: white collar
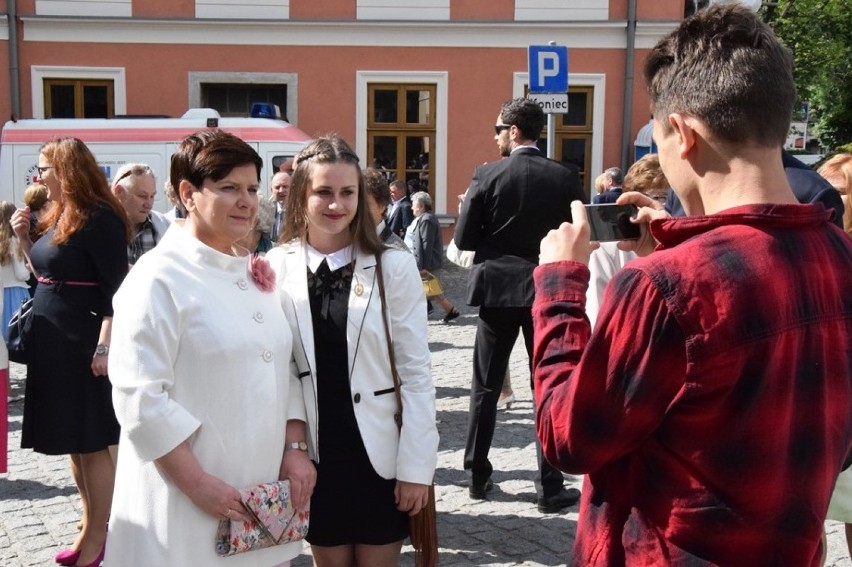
(335, 260)
(532, 145)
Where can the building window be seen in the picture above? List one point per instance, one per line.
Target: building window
(231, 93)
(234, 99)
(78, 98)
(401, 132)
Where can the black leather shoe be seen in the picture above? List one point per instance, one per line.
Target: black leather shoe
(559, 501)
(478, 492)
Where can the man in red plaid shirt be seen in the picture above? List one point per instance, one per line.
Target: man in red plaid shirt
(712, 407)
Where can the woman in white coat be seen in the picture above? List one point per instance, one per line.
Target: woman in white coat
(370, 476)
(201, 374)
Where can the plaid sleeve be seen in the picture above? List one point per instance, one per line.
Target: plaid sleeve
(598, 396)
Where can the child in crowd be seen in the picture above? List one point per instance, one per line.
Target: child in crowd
(13, 268)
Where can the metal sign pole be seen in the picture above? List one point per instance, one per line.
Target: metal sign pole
(551, 135)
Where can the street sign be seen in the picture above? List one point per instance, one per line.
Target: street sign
(548, 68)
(551, 103)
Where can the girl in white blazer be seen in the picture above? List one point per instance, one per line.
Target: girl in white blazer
(370, 475)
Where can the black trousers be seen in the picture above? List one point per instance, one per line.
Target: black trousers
(496, 333)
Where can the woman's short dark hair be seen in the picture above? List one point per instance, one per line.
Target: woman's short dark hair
(377, 185)
(210, 154)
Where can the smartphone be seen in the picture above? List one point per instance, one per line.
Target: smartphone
(612, 222)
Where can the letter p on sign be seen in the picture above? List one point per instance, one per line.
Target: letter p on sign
(548, 68)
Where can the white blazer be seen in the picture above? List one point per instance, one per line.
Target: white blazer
(412, 454)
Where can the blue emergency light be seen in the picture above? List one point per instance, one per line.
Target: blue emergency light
(265, 110)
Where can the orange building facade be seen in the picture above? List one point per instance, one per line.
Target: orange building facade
(414, 85)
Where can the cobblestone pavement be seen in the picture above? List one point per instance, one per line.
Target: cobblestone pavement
(39, 506)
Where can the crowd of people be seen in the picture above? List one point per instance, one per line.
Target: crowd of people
(697, 376)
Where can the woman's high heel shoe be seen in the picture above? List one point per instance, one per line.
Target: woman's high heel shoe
(506, 401)
(67, 557)
(98, 560)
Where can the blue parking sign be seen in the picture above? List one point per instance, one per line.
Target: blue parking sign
(548, 68)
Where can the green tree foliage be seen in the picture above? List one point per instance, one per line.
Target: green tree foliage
(819, 32)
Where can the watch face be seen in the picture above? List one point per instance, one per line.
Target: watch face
(101, 349)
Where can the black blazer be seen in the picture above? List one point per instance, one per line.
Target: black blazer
(610, 196)
(401, 217)
(510, 206)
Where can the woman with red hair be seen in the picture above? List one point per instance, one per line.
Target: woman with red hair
(80, 259)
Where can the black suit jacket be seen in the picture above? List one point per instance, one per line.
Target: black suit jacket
(401, 217)
(510, 206)
(610, 196)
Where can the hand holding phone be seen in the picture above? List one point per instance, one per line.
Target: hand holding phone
(569, 242)
(608, 222)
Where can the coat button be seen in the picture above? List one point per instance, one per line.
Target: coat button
(267, 355)
(357, 398)
(242, 284)
(258, 317)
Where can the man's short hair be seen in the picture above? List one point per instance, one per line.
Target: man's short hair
(615, 174)
(125, 173)
(524, 114)
(377, 186)
(725, 67)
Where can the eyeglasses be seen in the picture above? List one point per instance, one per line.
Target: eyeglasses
(500, 127)
(41, 170)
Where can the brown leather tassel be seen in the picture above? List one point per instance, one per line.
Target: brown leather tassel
(424, 533)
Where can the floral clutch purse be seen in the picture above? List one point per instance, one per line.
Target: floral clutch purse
(274, 521)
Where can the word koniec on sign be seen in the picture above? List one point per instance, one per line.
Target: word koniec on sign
(551, 103)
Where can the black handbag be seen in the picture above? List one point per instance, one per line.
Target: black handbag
(18, 332)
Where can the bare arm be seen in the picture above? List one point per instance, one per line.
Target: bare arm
(209, 493)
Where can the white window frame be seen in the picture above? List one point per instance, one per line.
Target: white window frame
(440, 80)
(598, 84)
(38, 73)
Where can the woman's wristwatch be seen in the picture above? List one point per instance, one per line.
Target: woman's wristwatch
(300, 445)
(101, 350)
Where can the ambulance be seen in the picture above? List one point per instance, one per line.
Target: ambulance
(116, 141)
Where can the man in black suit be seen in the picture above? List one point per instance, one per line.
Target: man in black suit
(399, 214)
(614, 178)
(510, 206)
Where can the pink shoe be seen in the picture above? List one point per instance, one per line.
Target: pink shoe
(98, 560)
(67, 557)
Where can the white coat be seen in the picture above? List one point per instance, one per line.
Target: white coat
(198, 352)
(412, 454)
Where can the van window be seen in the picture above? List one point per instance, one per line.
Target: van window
(277, 161)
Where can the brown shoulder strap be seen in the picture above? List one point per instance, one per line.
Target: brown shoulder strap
(381, 283)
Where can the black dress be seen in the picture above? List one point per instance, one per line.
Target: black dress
(66, 408)
(351, 503)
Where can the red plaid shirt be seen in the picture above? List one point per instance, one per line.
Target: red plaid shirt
(712, 407)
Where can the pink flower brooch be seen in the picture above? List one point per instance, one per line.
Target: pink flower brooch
(262, 273)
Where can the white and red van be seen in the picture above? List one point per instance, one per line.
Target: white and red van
(116, 141)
